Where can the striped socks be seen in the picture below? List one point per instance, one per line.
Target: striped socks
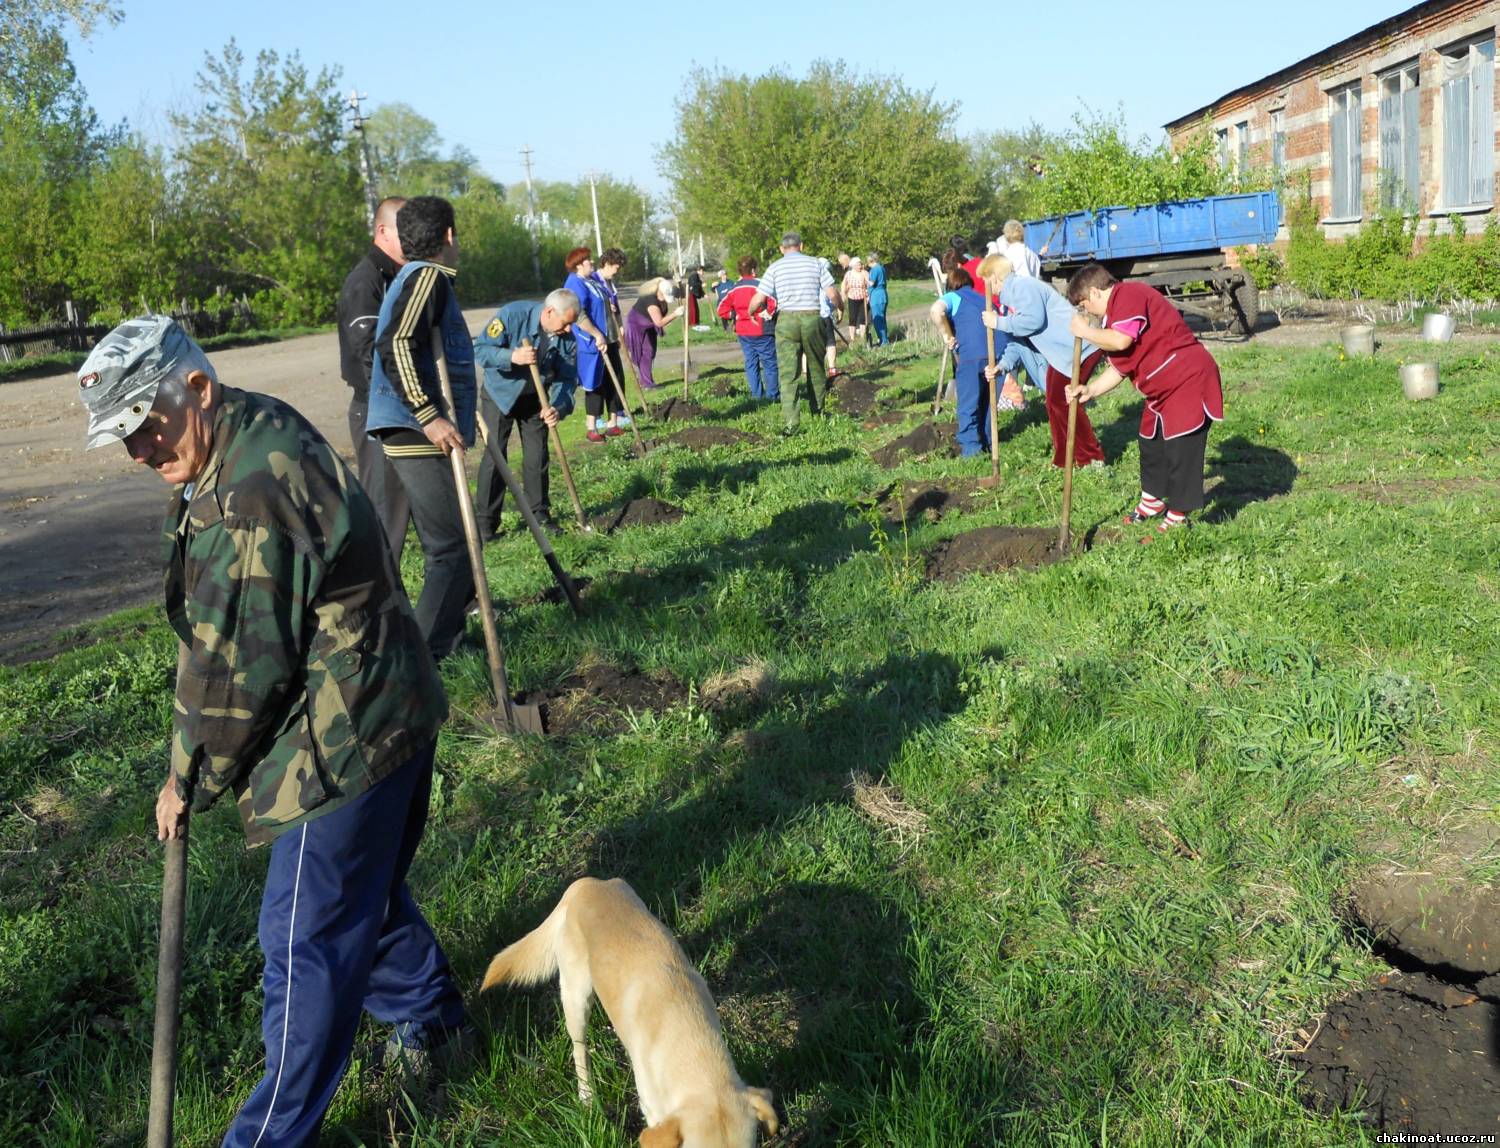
(1146, 509)
(1174, 518)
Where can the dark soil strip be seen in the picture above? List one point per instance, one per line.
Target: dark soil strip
(639, 512)
(992, 548)
(929, 438)
(890, 418)
(700, 437)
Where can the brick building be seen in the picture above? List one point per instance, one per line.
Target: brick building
(1399, 114)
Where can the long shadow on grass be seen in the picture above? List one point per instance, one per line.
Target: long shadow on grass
(1248, 472)
(1119, 434)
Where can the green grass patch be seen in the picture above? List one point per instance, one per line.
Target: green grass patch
(1118, 797)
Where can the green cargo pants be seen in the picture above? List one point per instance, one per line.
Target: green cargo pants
(799, 332)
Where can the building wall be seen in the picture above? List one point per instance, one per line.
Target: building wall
(1302, 94)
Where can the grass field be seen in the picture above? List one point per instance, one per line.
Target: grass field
(1050, 857)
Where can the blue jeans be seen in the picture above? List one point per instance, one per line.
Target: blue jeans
(760, 366)
(341, 935)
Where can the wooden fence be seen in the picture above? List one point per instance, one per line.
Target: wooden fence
(75, 333)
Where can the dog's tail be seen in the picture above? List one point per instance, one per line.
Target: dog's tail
(529, 961)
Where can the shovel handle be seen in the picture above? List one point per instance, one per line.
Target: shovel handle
(494, 651)
(557, 445)
(640, 447)
(168, 992)
(508, 476)
(989, 336)
(1065, 532)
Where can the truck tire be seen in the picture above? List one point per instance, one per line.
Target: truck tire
(1244, 307)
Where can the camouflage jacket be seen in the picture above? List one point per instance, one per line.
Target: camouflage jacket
(304, 677)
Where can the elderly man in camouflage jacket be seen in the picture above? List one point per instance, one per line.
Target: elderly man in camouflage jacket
(304, 688)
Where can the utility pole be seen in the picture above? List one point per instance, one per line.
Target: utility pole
(536, 254)
(677, 239)
(701, 260)
(367, 169)
(591, 176)
(646, 235)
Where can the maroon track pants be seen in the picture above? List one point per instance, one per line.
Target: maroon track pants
(1086, 448)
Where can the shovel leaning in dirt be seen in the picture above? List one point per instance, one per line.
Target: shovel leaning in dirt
(1065, 532)
(937, 399)
(508, 476)
(518, 718)
(989, 337)
(168, 992)
(614, 379)
(562, 455)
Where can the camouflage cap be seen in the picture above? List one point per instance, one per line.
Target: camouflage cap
(119, 379)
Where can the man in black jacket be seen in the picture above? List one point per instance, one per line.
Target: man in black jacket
(359, 307)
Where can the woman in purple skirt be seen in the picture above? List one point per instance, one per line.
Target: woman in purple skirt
(646, 320)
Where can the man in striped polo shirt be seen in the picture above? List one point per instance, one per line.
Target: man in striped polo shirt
(796, 281)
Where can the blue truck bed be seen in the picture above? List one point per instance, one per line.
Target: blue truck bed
(1210, 224)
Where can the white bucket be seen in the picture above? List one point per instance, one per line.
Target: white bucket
(1419, 380)
(1437, 328)
(1358, 339)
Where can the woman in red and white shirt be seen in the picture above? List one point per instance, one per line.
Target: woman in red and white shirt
(1148, 343)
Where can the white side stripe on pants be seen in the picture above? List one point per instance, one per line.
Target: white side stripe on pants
(286, 1016)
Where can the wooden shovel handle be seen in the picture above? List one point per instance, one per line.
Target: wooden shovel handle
(168, 992)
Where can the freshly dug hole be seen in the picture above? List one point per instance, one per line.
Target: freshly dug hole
(598, 694)
(639, 512)
(677, 408)
(856, 397)
(929, 438)
(700, 437)
(992, 548)
(928, 501)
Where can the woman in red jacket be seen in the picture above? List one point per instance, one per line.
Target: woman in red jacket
(757, 333)
(1148, 343)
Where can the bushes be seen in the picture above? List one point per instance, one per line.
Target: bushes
(1384, 260)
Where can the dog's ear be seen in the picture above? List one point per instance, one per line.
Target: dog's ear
(765, 1111)
(667, 1134)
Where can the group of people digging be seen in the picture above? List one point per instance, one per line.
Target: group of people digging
(307, 682)
(1139, 335)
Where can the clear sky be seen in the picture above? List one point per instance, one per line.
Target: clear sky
(588, 84)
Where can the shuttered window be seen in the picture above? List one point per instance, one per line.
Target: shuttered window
(1278, 142)
(1400, 173)
(1468, 95)
(1344, 132)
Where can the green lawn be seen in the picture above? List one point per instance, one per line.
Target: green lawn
(1086, 890)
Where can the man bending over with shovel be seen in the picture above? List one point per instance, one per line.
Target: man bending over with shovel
(305, 688)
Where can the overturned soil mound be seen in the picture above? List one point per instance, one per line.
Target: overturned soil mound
(599, 694)
(1417, 1055)
(639, 512)
(677, 408)
(855, 396)
(724, 389)
(701, 437)
(991, 548)
(927, 501)
(929, 438)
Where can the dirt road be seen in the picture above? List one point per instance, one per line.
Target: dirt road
(79, 530)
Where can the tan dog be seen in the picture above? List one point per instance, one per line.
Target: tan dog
(602, 939)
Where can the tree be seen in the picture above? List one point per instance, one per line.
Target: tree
(1011, 163)
(270, 183)
(845, 159)
(49, 141)
(1097, 164)
(127, 234)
